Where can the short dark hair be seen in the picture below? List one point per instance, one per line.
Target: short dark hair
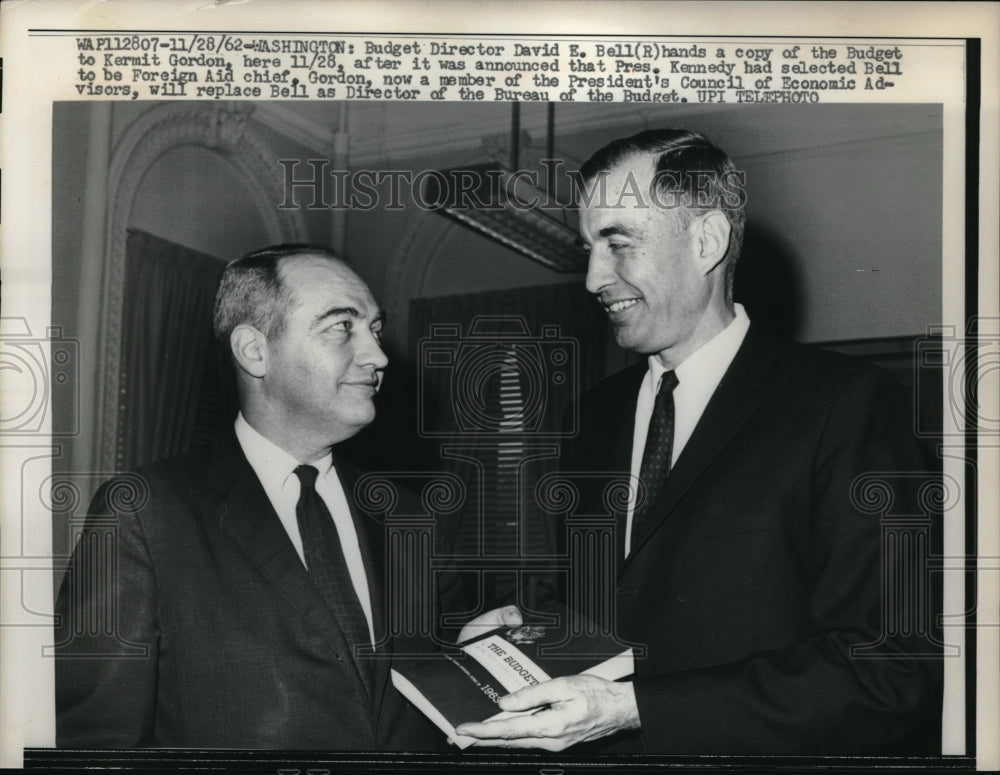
(679, 154)
(252, 292)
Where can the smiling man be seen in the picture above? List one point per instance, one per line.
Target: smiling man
(748, 567)
(247, 583)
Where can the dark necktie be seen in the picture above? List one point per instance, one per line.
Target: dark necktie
(656, 456)
(328, 569)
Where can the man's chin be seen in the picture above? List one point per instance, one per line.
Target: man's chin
(367, 414)
(358, 414)
(627, 338)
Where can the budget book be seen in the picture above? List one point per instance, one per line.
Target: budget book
(466, 683)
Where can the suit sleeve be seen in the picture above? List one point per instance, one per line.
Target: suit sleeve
(106, 632)
(818, 695)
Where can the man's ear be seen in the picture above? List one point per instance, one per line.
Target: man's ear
(712, 240)
(249, 346)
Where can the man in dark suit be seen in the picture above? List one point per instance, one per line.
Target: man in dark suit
(246, 582)
(751, 559)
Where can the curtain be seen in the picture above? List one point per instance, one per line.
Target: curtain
(495, 374)
(167, 349)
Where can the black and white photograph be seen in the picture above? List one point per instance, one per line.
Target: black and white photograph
(519, 429)
(477, 344)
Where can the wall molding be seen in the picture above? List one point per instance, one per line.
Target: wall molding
(222, 128)
(406, 271)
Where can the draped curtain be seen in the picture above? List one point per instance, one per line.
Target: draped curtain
(566, 307)
(167, 350)
(459, 367)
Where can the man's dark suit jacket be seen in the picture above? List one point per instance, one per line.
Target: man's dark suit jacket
(758, 573)
(240, 649)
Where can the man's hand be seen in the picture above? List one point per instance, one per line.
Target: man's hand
(571, 710)
(507, 616)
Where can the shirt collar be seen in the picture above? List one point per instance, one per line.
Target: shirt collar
(271, 463)
(707, 364)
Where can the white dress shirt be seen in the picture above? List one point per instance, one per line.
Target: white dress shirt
(275, 469)
(697, 378)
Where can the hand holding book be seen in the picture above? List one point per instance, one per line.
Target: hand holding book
(507, 616)
(546, 685)
(567, 710)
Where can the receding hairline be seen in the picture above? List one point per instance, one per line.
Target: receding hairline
(344, 268)
(319, 255)
(321, 258)
(626, 162)
(653, 157)
(280, 255)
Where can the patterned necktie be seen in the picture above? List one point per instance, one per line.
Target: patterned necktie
(656, 456)
(328, 569)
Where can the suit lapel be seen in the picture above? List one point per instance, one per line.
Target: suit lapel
(371, 539)
(372, 542)
(610, 448)
(239, 505)
(734, 401)
(615, 439)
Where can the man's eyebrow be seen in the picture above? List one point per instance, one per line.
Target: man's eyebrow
(610, 231)
(607, 231)
(334, 312)
(378, 317)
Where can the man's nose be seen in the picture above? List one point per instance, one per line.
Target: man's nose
(598, 271)
(372, 354)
